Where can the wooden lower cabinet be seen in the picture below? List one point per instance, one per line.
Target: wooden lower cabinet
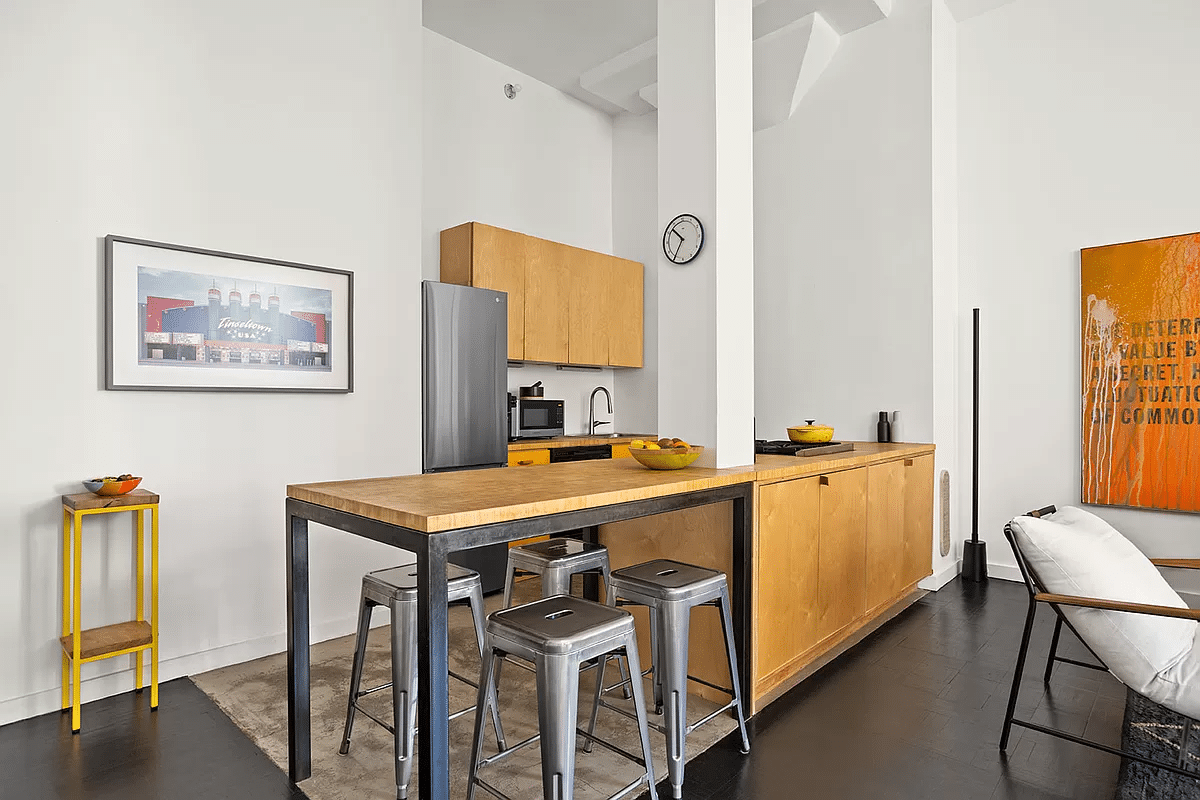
(832, 553)
(786, 615)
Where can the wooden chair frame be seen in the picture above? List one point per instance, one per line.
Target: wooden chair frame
(1038, 594)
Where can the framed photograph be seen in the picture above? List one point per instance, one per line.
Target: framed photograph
(1141, 373)
(188, 319)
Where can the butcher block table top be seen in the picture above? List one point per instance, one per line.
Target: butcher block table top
(449, 500)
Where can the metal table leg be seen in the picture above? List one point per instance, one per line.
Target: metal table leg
(299, 700)
(433, 704)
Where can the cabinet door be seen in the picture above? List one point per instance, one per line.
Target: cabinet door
(498, 262)
(588, 304)
(841, 594)
(785, 591)
(885, 532)
(546, 307)
(918, 519)
(625, 314)
(528, 458)
(620, 451)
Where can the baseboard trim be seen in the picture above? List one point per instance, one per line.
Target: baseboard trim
(940, 578)
(120, 680)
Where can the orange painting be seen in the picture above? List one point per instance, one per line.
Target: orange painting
(1141, 373)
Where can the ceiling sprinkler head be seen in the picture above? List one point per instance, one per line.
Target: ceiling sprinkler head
(511, 89)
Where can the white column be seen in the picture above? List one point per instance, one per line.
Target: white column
(706, 168)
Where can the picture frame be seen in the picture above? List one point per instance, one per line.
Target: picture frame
(181, 318)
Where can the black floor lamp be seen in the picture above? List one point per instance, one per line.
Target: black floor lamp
(974, 561)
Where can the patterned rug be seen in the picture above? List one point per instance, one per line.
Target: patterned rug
(1152, 731)
(254, 695)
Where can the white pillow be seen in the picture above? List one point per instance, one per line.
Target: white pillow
(1075, 552)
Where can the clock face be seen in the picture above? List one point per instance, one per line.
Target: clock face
(683, 239)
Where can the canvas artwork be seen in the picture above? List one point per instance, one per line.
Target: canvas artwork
(1141, 373)
(185, 318)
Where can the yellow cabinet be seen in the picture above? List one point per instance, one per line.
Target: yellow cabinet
(566, 305)
(841, 563)
(918, 519)
(528, 458)
(620, 451)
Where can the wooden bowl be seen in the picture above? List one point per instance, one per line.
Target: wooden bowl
(111, 488)
(666, 458)
(811, 434)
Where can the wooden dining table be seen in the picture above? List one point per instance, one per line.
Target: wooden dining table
(437, 515)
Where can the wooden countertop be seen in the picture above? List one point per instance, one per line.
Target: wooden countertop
(449, 500)
(582, 440)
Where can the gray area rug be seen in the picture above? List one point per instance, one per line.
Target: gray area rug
(254, 695)
(1152, 731)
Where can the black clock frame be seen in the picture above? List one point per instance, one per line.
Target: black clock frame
(667, 231)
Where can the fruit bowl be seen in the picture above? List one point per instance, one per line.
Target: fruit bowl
(108, 487)
(667, 458)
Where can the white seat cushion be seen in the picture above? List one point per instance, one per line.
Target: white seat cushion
(1075, 552)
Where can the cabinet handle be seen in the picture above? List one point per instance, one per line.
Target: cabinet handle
(824, 480)
(908, 462)
(524, 463)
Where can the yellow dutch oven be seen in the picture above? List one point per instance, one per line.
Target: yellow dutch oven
(811, 434)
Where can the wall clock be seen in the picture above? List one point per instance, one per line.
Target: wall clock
(683, 239)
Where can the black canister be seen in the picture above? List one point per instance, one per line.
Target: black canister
(885, 427)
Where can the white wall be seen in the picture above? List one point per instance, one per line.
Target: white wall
(843, 240)
(283, 129)
(636, 236)
(540, 164)
(1077, 126)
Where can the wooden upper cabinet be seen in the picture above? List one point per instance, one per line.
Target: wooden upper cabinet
(625, 313)
(547, 288)
(566, 305)
(589, 303)
(480, 255)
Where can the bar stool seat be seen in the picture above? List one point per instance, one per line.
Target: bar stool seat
(396, 588)
(555, 561)
(557, 634)
(670, 590)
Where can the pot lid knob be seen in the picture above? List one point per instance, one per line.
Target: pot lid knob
(810, 422)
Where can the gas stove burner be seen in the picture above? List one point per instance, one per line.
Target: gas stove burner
(785, 447)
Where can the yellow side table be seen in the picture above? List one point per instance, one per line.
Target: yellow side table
(123, 638)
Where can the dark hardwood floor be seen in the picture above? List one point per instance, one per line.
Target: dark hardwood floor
(913, 712)
(187, 749)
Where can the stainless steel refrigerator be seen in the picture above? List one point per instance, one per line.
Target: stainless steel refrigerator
(464, 379)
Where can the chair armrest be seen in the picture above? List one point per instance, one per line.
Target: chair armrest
(1118, 605)
(1177, 563)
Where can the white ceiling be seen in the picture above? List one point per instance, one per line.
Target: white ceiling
(554, 41)
(558, 41)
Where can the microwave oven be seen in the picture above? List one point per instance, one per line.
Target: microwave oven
(534, 417)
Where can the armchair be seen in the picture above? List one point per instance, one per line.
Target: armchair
(1114, 599)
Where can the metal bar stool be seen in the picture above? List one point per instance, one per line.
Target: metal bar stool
(557, 634)
(555, 560)
(670, 590)
(396, 588)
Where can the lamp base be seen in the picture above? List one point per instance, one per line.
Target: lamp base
(974, 561)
